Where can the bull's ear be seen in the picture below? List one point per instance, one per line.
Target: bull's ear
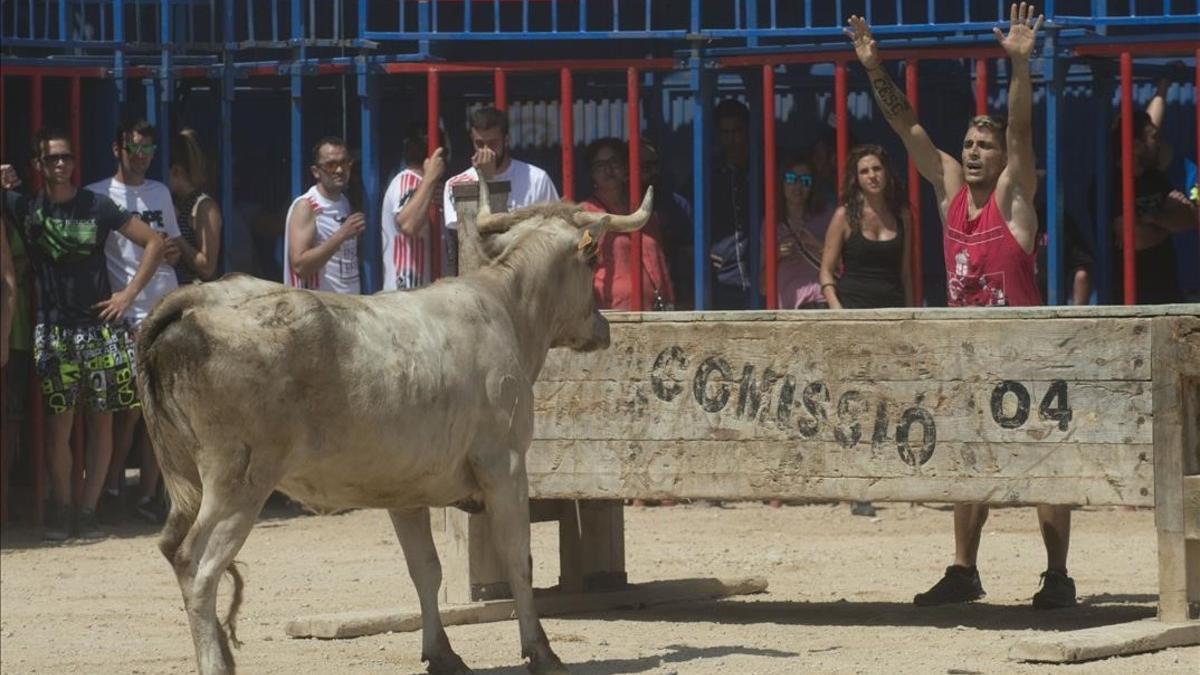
(589, 239)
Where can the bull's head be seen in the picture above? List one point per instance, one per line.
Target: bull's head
(574, 237)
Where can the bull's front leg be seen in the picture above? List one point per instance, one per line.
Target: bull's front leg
(506, 498)
(412, 528)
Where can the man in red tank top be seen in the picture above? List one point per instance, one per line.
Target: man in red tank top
(986, 202)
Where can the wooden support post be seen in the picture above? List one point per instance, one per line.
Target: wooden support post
(591, 540)
(471, 569)
(1176, 386)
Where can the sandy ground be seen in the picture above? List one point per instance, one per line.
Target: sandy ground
(838, 602)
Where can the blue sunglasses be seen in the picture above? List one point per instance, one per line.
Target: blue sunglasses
(791, 178)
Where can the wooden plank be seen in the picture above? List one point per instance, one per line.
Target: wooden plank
(923, 313)
(1029, 473)
(915, 350)
(591, 544)
(1103, 642)
(1169, 451)
(1191, 508)
(761, 403)
(471, 565)
(356, 624)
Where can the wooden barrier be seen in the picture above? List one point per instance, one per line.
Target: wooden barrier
(1084, 406)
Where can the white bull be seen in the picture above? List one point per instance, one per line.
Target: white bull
(399, 401)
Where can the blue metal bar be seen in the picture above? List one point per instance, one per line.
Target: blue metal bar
(212, 20)
(808, 14)
(583, 16)
(496, 11)
(966, 10)
(775, 12)
(701, 102)
(119, 51)
(737, 14)
(362, 22)
(337, 19)
(899, 12)
(297, 91)
(752, 22)
(62, 19)
(524, 15)
(166, 92)
(930, 11)
(467, 16)
(371, 243)
(46, 22)
(1054, 210)
(250, 32)
(434, 14)
(616, 14)
(646, 23)
(275, 21)
(1173, 20)
(694, 23)
(554, 15)
(228, 87)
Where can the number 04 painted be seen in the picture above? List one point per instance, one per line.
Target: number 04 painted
(1055, 405)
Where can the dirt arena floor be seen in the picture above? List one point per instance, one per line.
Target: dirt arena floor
(838, 602)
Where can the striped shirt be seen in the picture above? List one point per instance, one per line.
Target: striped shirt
(340, 274)
(406, 258)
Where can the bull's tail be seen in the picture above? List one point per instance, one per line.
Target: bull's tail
(172, 438)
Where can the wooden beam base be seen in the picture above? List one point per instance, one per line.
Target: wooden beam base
(1102, 642)
(549, 603)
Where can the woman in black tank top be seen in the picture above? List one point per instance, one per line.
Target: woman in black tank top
(199, 218)
(867, 237)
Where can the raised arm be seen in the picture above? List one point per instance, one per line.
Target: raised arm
(940, 169)
(1157, 109)
(1017, 185)
(413, 218)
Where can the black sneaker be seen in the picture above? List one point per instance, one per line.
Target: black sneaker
(150, 510)
(58, 524)
(960, 584)
(1058, 591)
(87, 527)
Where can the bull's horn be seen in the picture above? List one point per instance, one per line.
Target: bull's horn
(629, 223)
(484, 218)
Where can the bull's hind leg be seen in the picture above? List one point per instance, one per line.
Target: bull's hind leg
(221, 527)
(412, 528)
(506, 498)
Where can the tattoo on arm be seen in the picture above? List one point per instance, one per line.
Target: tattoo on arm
(890, 98)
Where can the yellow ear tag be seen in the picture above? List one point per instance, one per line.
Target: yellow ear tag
(585, 240)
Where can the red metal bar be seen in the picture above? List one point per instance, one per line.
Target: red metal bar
(958, 52)
(981, 87)
(575, 65)
(843, 131)
(432, 112)
(53, 71)
(916, 263)
(633, 106)
(770, 185)
(1127, 215)
(1171, 48)
(501, 85)
(75, 113)
(566, 125)
(3, 136)
(35, 121)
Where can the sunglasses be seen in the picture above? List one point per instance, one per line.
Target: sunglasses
(791, 178)
(140, 149)
(61, 158)
(333, 165)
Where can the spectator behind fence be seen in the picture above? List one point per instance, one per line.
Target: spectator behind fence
(990, 237)
(81, 345)
(730, 193)
(320, 244)
(493, 160)
(608, 164)
(1160, 211)
(674, 215)
(867, 238)
(799, 235)
(410, 208)
(1077, 260)
(134, 148)
(199, 215)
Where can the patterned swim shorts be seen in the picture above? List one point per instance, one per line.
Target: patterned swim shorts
(97, 361)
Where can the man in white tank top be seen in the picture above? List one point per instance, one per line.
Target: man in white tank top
(320, 245)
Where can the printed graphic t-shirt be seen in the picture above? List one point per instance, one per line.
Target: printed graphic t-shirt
(65, 242)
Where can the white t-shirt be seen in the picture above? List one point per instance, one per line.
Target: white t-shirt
(530, 185)
(406, 259)
(340, 274)
(150, 201)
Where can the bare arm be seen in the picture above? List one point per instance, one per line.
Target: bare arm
(413, 218)
(1157, 109)
(306, 258)
(1017, 185)
(143, 235)
(831, 257)
(202, 258)
(941, 170)
(8, 291)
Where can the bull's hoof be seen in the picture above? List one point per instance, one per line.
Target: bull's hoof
(547, 664)
(446, 664)
(471, 506)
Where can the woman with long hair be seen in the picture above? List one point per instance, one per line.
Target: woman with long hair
(867, 237)
(608, 165)
(198, 214)
(800, 233)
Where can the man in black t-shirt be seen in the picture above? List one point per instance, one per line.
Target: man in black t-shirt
(81, 347)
